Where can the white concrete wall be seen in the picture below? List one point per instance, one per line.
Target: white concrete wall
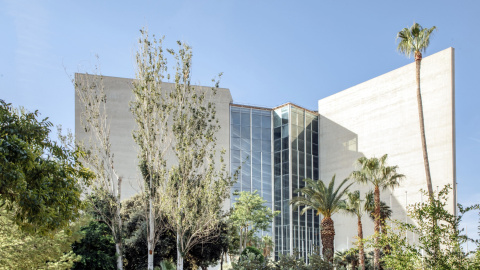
(380, 116)
(119, 95)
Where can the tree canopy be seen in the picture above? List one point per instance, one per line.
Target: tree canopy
(39, 178)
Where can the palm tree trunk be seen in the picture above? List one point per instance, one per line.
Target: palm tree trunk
(418, 60)
(376, 254)
(361, 251)
(328, 238)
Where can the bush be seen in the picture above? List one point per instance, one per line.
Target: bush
(254, 250)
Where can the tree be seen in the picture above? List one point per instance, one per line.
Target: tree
(150, 108)
(20, 249)
(357, 207)
(40, 180)
(96, 248)
(250, 215)
(385, 210)
(435, 226)
(415, 40)
(326, 201)
(196, 186)
(375, 171)
(99, 155)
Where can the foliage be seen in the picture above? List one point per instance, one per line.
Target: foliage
(250, 261)
(39, 178)
(357, 207)
(374, 171)
(414, 40)
(250, 215)
(167, 265)
(24, 250)
(325, 200)
(96, 248)
(435, 226)
(99, 155)
(135, 235)
(258, 254)
(151, 109)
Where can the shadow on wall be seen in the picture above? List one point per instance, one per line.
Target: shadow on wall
(338, 155)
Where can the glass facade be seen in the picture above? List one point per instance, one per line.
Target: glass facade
(291, 154)
(295, 158)
(251, 151)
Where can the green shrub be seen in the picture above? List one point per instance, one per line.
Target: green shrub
(254, 250)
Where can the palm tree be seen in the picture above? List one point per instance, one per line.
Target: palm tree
(415, 40)
(326, 201)
(385, 210)
(376, 172)
(355, 206)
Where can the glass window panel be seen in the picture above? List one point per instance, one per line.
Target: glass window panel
(256, 120)
(256, 186)
(294, 144)
(277, 120)
(277, 170)
(284, 131)
(285, 143)
(266, 160)
(266, 146)
(245, 146)
(315, 125)
(285, 168)
(266, 121)
(266, 173)
(235, 156)
(256, 133)
(309, 137)
(277, 133)
(309, 174)
(256, 145)
(277, 145)
(245, 132)
(315, 174)
(315, 149)
(284, 116)
(266, 134)
(314, 137)
(277, 157)
(234, 167)
(257, 158)
(245, 119)
(235, 118)
(285, 156)
(235, 143)
(236, 131)
(301, 145)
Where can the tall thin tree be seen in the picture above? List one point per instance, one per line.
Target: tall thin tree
(357, 207)
(375, 171)
(151, 110)
(99, 157)
(415, 40)
(326, 200)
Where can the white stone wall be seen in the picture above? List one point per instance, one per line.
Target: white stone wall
(380, 116)
(119, 95)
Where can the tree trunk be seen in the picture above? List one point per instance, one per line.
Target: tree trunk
(361, 251)
(118, 226)
(376, 253)
(151, 231)
(179, 258)
(118, 250)
(418, 60)
(328, 238)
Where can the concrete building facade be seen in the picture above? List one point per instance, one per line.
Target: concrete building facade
(274, 149)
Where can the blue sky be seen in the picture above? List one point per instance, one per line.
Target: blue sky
(266, 49)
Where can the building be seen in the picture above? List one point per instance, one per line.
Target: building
(275, 148)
